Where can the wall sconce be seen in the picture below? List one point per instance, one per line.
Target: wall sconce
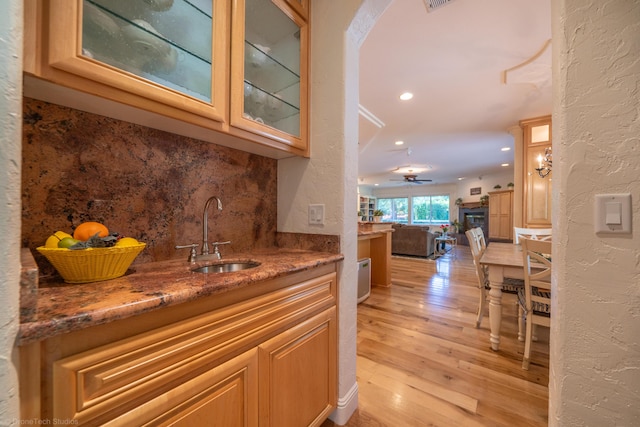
(544, 163)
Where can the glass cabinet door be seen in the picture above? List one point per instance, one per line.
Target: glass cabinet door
(271, 98)
(172, 52)
(168, 42)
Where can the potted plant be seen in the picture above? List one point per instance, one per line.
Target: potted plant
(497, 187)
(484, 200)
(458, 201)
(510, 185)
(377, 215)
(456, 226)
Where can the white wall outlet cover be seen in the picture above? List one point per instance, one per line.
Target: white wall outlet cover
(316, 214)
(612, 213)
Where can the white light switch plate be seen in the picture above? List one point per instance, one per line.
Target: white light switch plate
(613, 213)
(316, 214)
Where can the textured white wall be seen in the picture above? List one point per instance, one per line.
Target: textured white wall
(330, 176)
(10, 155)
(595, 334)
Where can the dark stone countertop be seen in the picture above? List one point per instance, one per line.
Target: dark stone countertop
(58, 307)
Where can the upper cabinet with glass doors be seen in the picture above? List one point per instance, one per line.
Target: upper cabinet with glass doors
(166, 56)
(269, 68)
(238, 67)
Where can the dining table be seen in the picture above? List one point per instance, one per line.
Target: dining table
(504, 260)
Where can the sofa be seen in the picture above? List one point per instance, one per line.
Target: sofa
(414, 240)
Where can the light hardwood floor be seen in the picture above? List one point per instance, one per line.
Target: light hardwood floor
(421, 361)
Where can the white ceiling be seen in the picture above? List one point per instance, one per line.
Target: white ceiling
(453, 59)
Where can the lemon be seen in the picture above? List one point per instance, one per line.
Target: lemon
(127, 241)
(67, 242)
(55, 238)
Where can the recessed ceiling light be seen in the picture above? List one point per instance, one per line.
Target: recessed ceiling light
(406, 96)
(375, 185)
(505, 149)
(460, 178)
(399, 142)
(505, 164)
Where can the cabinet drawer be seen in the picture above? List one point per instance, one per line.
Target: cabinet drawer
(117, 377)
(226, 395)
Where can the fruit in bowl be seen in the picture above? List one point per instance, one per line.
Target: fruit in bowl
(55, 239)
(101, 256)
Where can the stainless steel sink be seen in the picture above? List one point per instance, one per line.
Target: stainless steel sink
(226, 267)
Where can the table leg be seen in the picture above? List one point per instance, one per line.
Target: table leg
(496, 277)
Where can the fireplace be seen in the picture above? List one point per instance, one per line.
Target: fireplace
(472, 218)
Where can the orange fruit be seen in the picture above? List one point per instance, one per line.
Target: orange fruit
(88, 229)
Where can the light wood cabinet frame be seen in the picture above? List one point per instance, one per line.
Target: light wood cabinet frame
(238, 120)
(58, 58)
(105, 374)
(56, 71)
(537, 190)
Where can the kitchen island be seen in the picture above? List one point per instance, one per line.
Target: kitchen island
(374, 241)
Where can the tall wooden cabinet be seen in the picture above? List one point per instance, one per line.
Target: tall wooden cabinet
(239, 68)
(501, 215)
(537, 190)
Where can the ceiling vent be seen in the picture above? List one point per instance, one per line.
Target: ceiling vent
(435, 4)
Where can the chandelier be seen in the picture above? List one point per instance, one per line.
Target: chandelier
(544, 163)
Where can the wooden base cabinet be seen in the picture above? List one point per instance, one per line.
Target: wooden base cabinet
(501, 215)
(296, 368)
(267, 358)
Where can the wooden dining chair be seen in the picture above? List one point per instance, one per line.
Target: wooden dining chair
(535, 297)
(531, 233)
(477, 243)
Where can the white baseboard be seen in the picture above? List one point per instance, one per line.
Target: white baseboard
(347, 405)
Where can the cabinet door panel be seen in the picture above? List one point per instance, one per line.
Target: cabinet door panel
(538, 192)
(269, 67)
(174, 56)
(298, 371)
(537, 133)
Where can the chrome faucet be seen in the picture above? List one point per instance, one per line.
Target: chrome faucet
(205, 230)
(205, 226)
(205, 255)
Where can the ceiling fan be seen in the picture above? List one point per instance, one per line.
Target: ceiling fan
(411, 178)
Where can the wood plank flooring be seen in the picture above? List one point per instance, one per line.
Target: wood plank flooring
(422, 362)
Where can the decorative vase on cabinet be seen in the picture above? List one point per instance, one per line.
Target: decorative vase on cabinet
(269, 67)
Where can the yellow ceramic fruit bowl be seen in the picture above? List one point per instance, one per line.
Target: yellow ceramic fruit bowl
(91, 264)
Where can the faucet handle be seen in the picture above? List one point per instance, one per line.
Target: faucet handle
(216, 252)
(193, 254)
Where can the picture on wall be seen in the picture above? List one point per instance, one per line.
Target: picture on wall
(476, 190)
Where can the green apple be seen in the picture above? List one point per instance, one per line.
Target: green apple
(67, 242)
(54, 239)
